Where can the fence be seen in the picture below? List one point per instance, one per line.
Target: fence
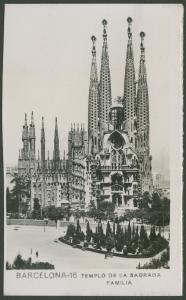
(93, 225)
(29, 222)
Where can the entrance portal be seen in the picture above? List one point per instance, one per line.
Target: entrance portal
(117, 199)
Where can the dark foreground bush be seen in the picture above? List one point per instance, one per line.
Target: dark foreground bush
(42, 265)
(157, 263)
(22, 264)
(155, 246)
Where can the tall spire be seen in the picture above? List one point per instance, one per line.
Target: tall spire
(42, 144)
(32, 137)
(25, 139)
(32, 118)
(143, 123)
(143, 99)
(25, 119)
(105, 83)
(93, 99)
(129, 99)
(56, 153)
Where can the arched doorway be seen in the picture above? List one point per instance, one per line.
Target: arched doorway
(117, 199)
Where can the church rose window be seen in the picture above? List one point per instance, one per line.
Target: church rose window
(117, 140)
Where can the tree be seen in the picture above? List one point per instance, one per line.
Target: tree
(110, 243)
(120, 238)
(145, 201)
(36, 213)
(18, 262)
(118, 230)
(129, 234)
(152, 235)
(78, 229)
(133, 232)
(143, 238)
(100, 228)
(95, 213)
(107, 208)
(136, 236)
(156, 201)
(128, 215)
(108, 230)
(20, 190)
(12, 204)
(70, 231)
(88, 233)
(114, 229)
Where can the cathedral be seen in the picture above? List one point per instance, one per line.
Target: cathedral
(112, 162)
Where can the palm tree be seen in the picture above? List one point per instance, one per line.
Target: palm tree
(20, 190)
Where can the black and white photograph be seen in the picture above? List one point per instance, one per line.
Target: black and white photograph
(92, 146)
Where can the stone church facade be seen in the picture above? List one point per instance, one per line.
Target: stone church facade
(111, 162)
(119, 163)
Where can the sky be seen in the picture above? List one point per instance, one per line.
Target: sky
(47, 59)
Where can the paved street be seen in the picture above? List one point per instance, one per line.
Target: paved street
(21, 239)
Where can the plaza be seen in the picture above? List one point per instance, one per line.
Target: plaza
(26, 240)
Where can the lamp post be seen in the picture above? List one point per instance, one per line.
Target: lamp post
(45, 223)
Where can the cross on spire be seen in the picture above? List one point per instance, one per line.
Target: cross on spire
(129, 20)
(104, 22)
(142, 35)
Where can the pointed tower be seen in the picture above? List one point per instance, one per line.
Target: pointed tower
(32, 137)
(93, 103)
(25, 139)
(105, 84)
(42, 145)
(143, 102)
(56, 153)
(129, 99)
(143, 122)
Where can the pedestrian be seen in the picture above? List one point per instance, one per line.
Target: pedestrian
(37, 254)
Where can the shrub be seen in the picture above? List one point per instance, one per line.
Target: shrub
(42, 266)
(81, 236)
(110, 243)
(88, 232)
(156, 246)
(156, 263)
(70, 231)
(20, 263)
(8, 266)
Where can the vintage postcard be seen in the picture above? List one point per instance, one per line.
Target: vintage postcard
(92, 142)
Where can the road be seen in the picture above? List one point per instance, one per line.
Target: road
(21, 239)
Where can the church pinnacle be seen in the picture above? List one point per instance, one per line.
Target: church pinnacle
(32, 137)
(105, 83)
(93, 100)
(56, 153)
(25, 139)
(42, 144)
(143, 100)
(129, 99)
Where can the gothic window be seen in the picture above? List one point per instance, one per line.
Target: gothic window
(113, 157)
(121, 158)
